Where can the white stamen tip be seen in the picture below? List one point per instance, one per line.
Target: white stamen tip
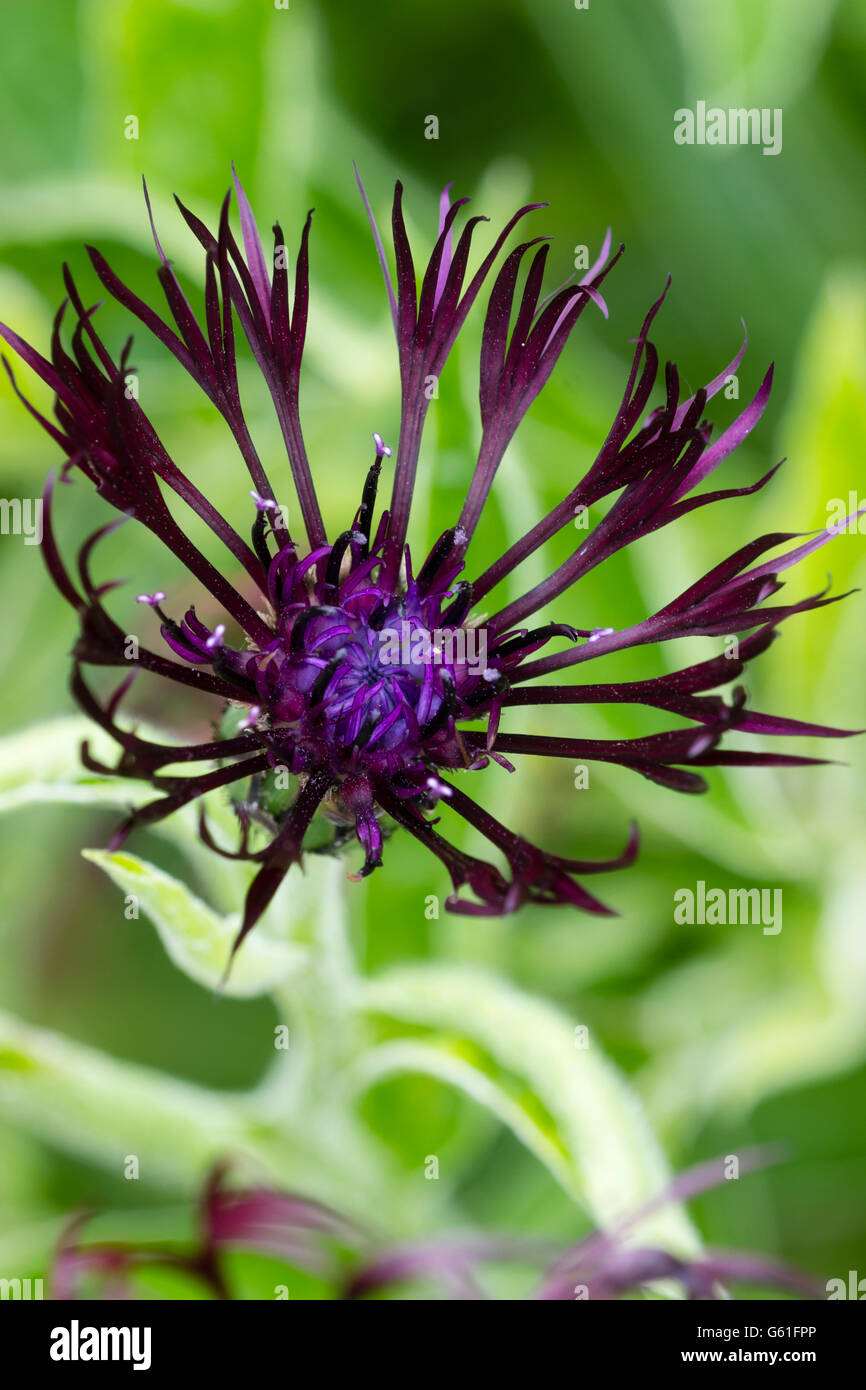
(264, 504)
(247, 723)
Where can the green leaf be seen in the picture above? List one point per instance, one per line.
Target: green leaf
(809, 1024)
(823, 432)
(104, 1109)
(441, 1058)
(521, 1057)
(43, 763)
(197, 939)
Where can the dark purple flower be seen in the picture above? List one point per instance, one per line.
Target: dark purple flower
(606, 1265)
(296, 1230)
(306, 1235)
(354, 669)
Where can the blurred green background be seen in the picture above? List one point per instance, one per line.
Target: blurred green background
(730, 1037)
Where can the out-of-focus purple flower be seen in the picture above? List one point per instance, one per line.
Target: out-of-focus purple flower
(302, 1233)
(606, 1265)
(311, 1237)
(361, 674)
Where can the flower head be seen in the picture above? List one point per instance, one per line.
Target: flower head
(354, 669)
(306, 1235)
